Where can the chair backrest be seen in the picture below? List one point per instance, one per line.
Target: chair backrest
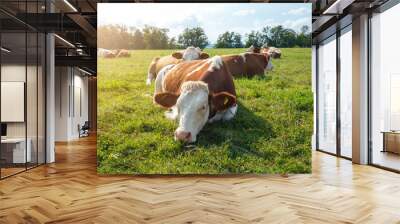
(86, 125)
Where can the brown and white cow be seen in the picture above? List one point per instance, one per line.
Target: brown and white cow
(273, 51)
(253, 49)
(101, 52)
(198, 92)
(123, 53)
(248, 64)
(189, 54)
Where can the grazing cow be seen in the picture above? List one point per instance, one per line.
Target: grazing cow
(197, 91)
(123, 53)
(248, 64)
(190, 53)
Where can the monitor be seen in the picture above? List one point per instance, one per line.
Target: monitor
(3, 129)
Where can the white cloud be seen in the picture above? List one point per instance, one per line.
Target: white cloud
(296, 12)
(260, 24)
(244, 12)
(297, 24)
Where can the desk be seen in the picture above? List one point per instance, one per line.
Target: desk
(391, 141)
(16, 148)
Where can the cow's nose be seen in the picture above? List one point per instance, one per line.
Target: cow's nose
(183, 136)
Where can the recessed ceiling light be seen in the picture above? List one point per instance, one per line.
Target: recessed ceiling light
(64, 40)
(338, 6)
(5, 50)
(86, 72)
(70, 5)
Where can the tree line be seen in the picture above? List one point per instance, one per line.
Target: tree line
(151, 37)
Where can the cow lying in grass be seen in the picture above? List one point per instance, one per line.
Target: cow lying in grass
(123, 53)
(272, 51)
(248, 64)
(101, 52)
(198, 92)
(189, 54)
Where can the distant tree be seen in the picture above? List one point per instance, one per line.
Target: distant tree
(229, 40)
(304, 38)
(281, 37)
(288, 38)
(265, 35)
(155, 38)
(237, 41)
(254, 38)
(113, 37)
(138, 40)
(172, 43)
(193, 37)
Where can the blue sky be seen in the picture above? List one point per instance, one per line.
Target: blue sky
(213, 17)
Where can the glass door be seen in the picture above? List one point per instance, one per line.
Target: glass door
(327, 95)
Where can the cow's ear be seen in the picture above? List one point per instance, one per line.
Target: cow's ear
(223, 100)
(167, 100)
(177, 55)
(204, 55)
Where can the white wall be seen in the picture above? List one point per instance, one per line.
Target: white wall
(62, 82)
(70, 83)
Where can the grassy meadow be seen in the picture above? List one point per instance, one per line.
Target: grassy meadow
(271, 132)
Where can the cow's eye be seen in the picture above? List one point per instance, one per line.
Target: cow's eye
(202, 108)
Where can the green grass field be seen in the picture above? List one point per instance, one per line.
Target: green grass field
(271, 132)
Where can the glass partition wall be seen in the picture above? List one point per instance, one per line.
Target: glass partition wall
(334, 104)
(385, 90)
(345, 61)
(327, 95)
(22, 77)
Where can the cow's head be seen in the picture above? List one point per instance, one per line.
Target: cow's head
(190, 53)
(192, 107)
(264, 50)
(253, 49)
(260, 62)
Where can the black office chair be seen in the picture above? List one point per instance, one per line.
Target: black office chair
(84, 130)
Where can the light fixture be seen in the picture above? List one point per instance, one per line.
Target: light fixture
(5, 49)
(79, 51)
(64, 40)
(338, 6)
(84, 71)
(70, 5)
